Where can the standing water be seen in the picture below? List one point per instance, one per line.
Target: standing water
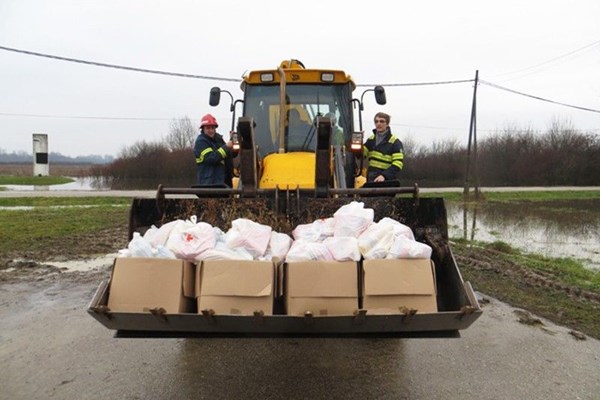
(566, 228)
(85, 183)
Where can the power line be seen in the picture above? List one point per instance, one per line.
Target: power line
(83, 117)
(548, 61)
(215, 78)
(98, 64)
(536, 97)
(415, 83)
(239, 80)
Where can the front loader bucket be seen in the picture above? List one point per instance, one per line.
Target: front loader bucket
(457, 306)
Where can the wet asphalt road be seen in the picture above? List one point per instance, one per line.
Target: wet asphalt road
(51, 348)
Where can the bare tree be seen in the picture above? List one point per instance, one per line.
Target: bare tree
(182, 134)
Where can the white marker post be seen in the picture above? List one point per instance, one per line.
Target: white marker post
(41, 167)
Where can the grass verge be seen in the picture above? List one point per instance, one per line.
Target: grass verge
(58, 225)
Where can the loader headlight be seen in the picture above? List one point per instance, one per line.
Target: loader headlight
(327, 77)
(356, 145)
(266, 77)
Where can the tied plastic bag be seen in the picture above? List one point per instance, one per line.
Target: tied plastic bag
(375, 242)
(399, 228)
(316, 231)
(303, 250)
(406, 248)
(343, 248)
(279, 246)
(159, 236)
(150, 234)
(190, 243)
(176, 230)
(250, 235)
(139, 247)
(352, 219)
(162, 252)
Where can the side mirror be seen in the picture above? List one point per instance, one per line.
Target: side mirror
(380, 95)
(215, 96)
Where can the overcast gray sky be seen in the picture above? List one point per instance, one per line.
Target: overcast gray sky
(549, 49)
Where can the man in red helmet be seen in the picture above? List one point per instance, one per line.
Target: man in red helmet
(213, 155)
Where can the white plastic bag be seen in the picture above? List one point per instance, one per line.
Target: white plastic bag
(352, 219)
(375, 242)
(193, 241)
(139, 247)
(399, 228)
(302, 250)
(316, 231)
(250, 235)
(176, 229)
(159, 236)
(278, 246)
(406, 248)
(343, 248)
(162, 252)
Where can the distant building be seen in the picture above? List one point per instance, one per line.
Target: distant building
(40, 155)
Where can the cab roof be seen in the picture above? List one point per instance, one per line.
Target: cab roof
(296, 73)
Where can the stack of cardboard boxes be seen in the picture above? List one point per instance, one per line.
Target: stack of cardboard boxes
(322, 288)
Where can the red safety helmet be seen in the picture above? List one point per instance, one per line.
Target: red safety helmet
(208, 119)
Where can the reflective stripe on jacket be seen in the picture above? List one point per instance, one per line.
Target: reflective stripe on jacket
(385, 158)
(211, 154)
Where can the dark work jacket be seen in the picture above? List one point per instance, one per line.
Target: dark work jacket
(212, 160)
(386, 158)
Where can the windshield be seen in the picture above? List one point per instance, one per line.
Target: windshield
(304, 103)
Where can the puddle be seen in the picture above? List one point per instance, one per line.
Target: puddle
(568, 229)
(85, 183)
(89, 183)
(85, 265)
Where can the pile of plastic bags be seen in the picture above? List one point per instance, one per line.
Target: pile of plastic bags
(196, 241)
(349, 235)
(352, 234)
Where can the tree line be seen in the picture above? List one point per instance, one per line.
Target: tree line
(23, 157)
(559, 156)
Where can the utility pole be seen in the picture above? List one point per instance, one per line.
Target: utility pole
(472, 144)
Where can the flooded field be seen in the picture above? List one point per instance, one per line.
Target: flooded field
(568, 229)
(91, 183)
(81, 183)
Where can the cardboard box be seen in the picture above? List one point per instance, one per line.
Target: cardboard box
(236, 287)
(392, 285)
(142, 284)
(321, 287)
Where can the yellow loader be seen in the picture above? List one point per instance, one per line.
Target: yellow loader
(299, 141)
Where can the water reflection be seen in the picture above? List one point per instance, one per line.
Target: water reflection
(553, 228)
(101, 183)
(83, 183)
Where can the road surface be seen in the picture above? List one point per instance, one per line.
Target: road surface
(51, 348)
